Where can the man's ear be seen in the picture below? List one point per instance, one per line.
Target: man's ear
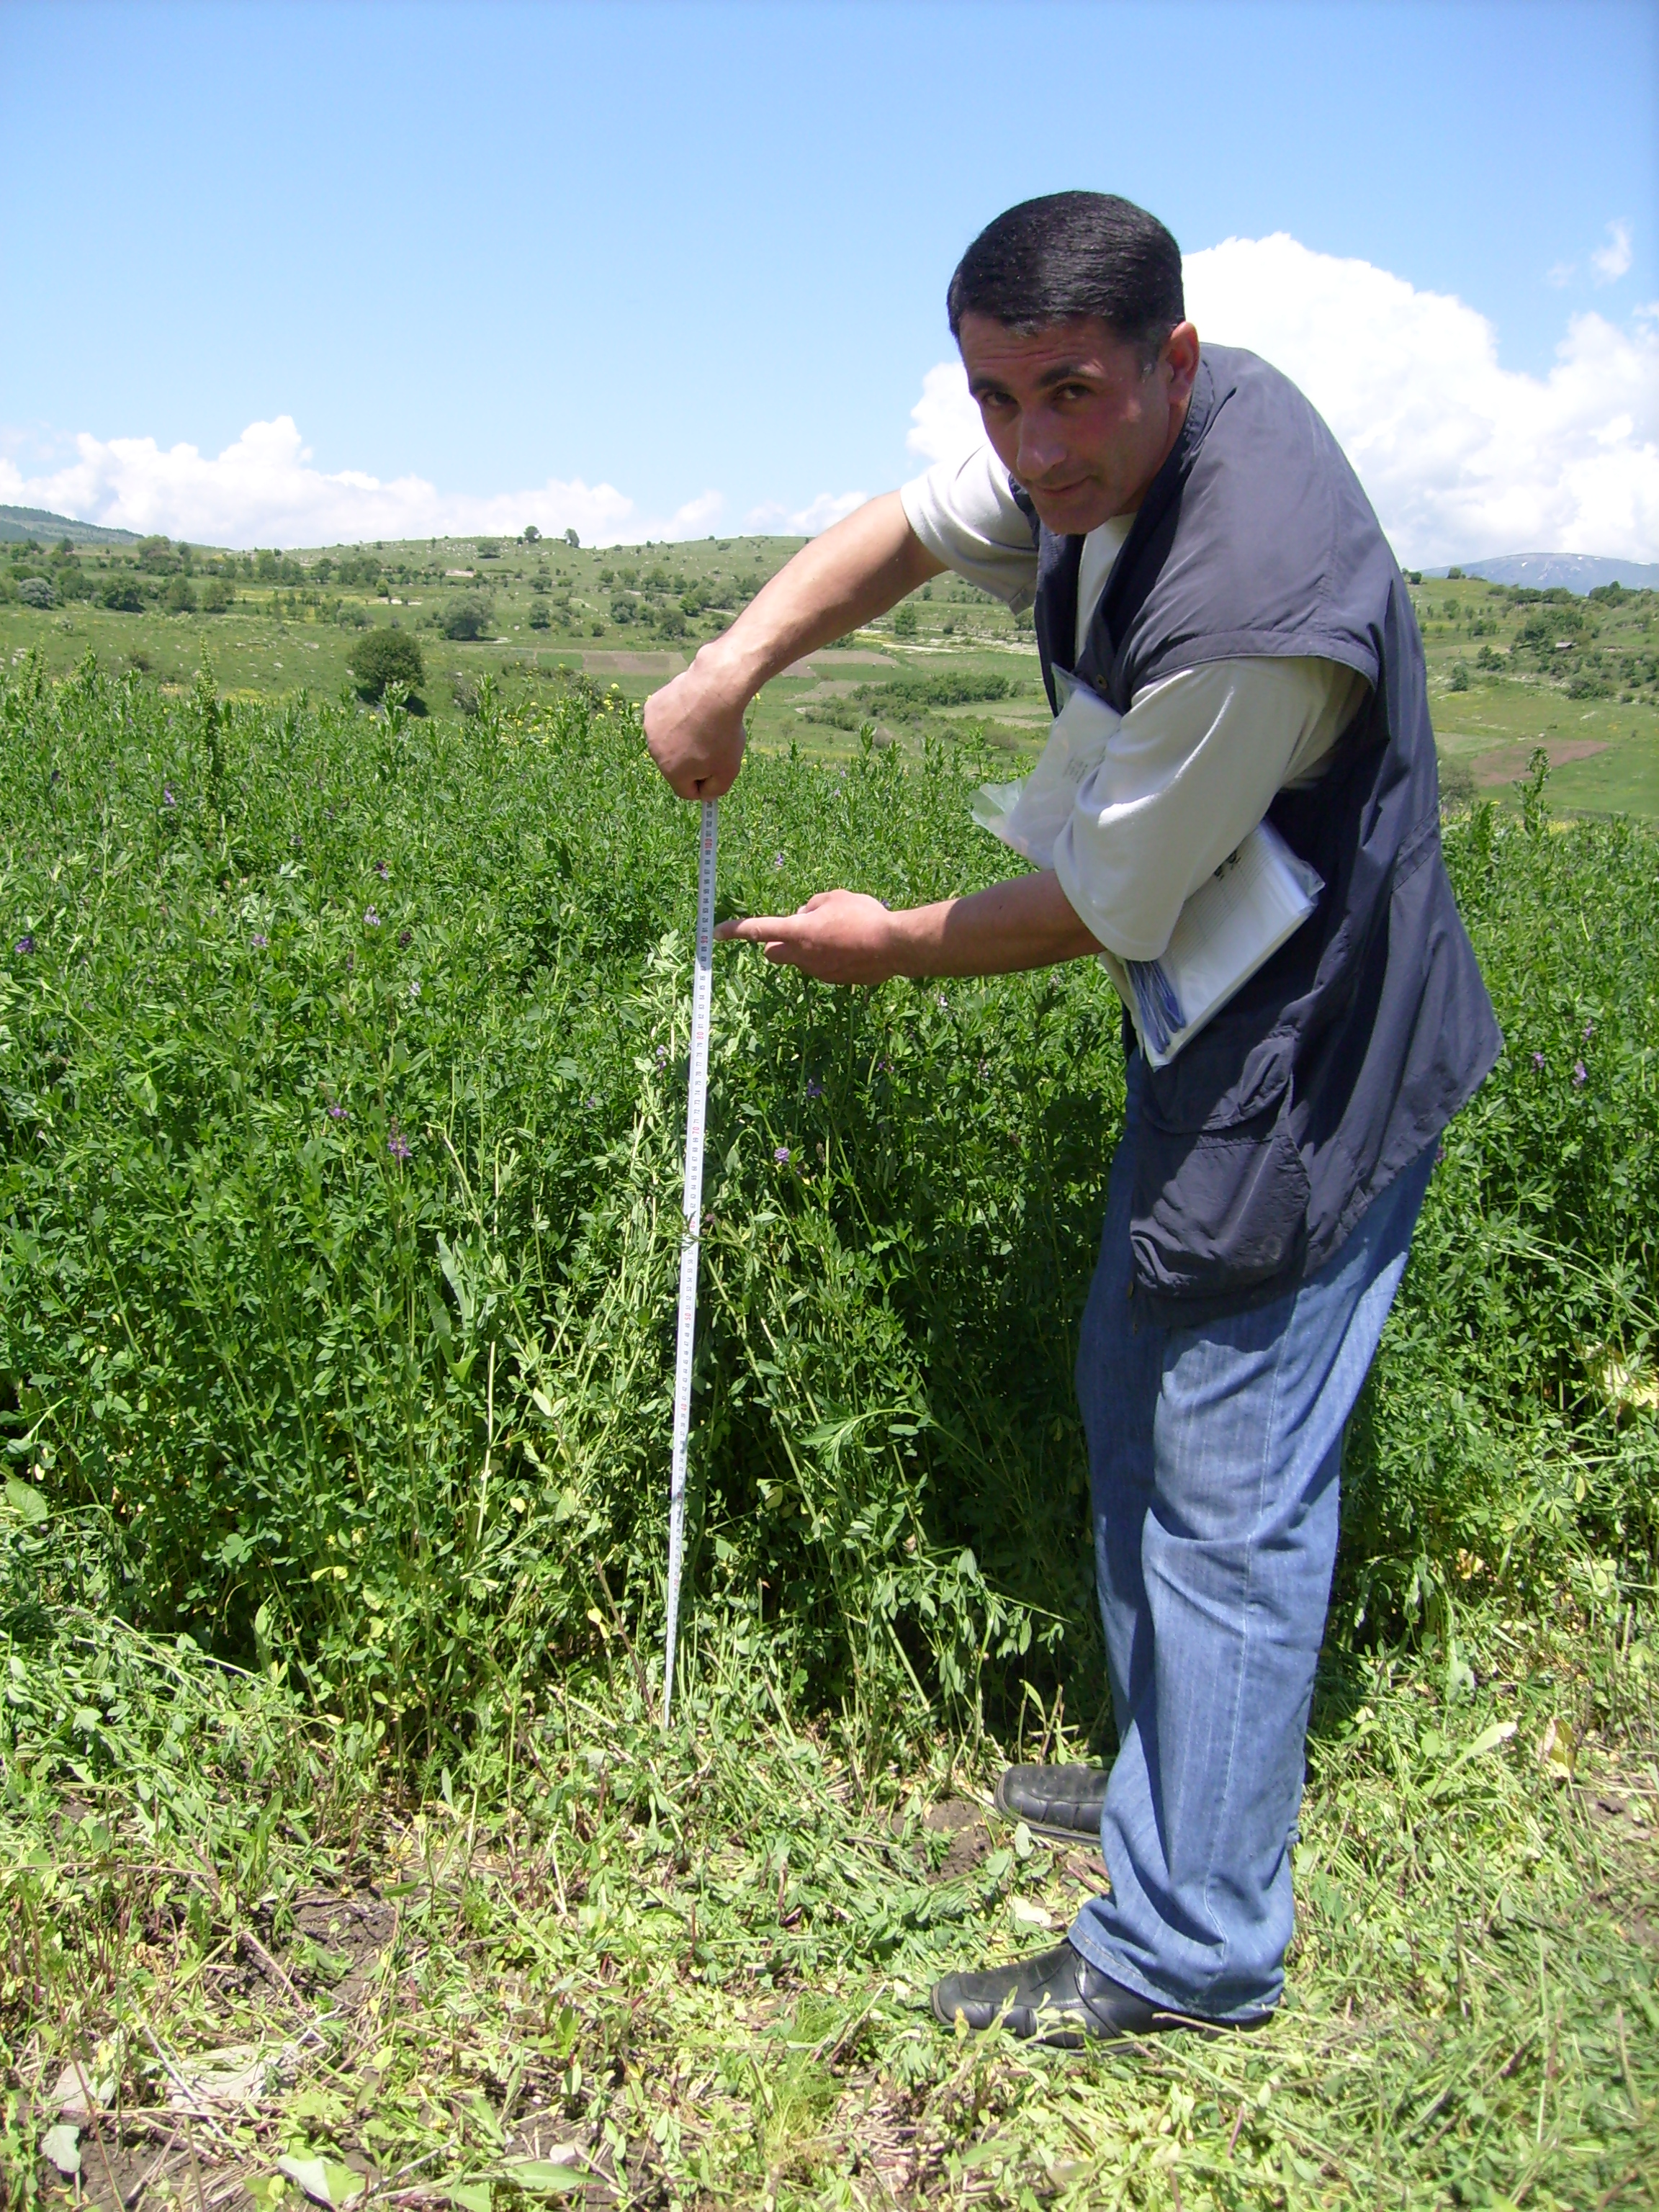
(1180, 352)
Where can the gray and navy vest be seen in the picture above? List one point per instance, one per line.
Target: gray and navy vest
(1268, 1135)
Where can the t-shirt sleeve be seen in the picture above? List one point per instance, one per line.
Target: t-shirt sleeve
(965, 513)
(1189, 771)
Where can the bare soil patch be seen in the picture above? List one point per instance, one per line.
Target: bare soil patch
(633, 664)
(1511, 761)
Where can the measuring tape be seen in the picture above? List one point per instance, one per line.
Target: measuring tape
(696, 1110)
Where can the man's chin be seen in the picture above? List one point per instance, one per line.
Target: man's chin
(1073, 514)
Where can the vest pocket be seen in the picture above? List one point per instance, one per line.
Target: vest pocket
(1220, 1189)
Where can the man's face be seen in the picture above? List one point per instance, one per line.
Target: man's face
(1074, 416)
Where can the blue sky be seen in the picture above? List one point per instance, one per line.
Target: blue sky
(688, 250)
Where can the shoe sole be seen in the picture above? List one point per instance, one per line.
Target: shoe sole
(1053, 1832)
(1074, 2038)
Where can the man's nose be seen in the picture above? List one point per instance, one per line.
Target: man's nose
(1041, 447)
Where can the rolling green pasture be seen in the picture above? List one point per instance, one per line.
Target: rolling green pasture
(1509, 670)
(342, 1851)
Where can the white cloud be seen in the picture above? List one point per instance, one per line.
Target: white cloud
(1610, 261)
(263, 490)
(1462, 458)
(806, 521)
(944, 423)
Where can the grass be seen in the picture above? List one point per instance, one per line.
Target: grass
(284, 633)
(339, 1057)
(600, 1964)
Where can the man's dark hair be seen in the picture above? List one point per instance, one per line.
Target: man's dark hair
(1073, 253)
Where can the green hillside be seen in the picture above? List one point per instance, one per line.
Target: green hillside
(1510, 668)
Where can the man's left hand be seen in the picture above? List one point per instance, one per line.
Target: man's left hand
(839, 937)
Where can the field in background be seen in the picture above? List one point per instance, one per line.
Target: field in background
(1509, 669)
(339, 1851)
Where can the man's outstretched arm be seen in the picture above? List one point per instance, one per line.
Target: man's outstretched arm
(847, 937)
(854, 572)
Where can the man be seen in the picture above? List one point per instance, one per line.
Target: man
(1201, 554)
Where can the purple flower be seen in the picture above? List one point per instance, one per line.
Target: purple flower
(1590, 1031)
(167, 799)
(1580, 1075)
(25, 945)
(415, 989)
(662, 1055)
(781, 1154)
(397, 1144)
(593, 1102)
(337, 1113)
(381, 870)
(370, 920)
(777, 859)
(814, 1088)
(260, 941)
(1538, 1060)
(404, 936)
(943, 1001)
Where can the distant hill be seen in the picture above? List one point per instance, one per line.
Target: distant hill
(1544, 572)
(17, 523)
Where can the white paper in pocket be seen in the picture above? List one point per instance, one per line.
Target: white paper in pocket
(1030, 815)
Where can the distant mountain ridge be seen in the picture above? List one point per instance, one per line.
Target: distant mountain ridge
(17, 523)
(1572, 572)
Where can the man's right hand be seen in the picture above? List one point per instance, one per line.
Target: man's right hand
(694, 728)
(859, 567)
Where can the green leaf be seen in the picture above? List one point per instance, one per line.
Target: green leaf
(546, 2179)
(470, 2196)
(62, 2145)
(26, 1502)
(323, 2181)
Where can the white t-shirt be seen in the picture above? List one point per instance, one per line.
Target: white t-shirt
(1195, 763)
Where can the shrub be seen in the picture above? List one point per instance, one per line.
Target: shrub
(179, 598)
(380, 657)
(904, 620)
(469, 618)
(337, 1394)
(36, 592)
(218, 596)
(121, 594)
(539, 617)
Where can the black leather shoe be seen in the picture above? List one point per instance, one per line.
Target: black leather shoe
(1057, 1997)
(1062, 1801)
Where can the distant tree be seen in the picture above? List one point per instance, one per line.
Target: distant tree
(572, 540)
(36, 592)
(123, 596)
(218, 595)
(621, 610)
(1460, 676)
(1454, 575)
(539, 617)
(530, 533)
(180, 600)
(671, 623)
(154, 553)
(468, 618)
(380, 657)
(904, 620)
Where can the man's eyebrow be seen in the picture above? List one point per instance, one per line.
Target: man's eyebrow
(1065, 371)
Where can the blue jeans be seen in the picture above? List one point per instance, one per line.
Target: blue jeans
(1214, 1454)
